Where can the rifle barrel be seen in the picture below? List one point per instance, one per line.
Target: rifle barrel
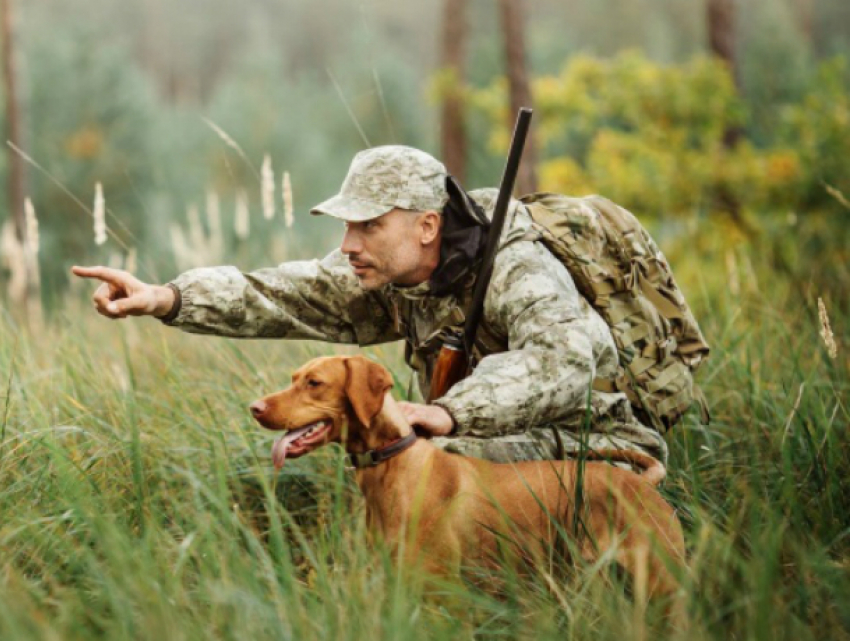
(499, 214)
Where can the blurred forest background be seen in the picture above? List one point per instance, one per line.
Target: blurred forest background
(674, 108)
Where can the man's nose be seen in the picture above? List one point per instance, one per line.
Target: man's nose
(350, 243)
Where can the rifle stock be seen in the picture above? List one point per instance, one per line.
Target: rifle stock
(452, 367)
(453, 361)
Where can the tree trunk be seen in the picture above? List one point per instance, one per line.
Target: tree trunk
(16, 192)
(805, 16)
(17, 177)
(513, 28)
(721, 41)
(452, 117)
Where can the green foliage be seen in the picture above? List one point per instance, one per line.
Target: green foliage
(818, 128)
(651, 136)
(88, 114)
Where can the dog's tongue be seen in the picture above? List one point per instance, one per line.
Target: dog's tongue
(282, 444)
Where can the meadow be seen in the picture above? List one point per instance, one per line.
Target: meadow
(139, 500)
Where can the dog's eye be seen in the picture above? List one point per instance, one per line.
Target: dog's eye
(313, 383)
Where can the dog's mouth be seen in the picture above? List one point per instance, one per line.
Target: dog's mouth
(298, 442)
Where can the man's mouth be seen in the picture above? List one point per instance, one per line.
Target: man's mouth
(298, 442)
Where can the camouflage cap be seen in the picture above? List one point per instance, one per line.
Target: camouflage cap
(383, 178)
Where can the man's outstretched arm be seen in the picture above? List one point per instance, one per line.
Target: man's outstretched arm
(315, 300)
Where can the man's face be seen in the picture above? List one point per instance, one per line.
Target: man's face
(397, 247)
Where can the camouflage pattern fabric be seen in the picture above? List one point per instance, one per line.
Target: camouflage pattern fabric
(540, 343)
(383, 178)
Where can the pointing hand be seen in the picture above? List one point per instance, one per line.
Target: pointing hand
(121, 294)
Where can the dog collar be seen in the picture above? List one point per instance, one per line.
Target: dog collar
(371, 458)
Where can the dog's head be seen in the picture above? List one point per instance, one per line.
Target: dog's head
(330, 400)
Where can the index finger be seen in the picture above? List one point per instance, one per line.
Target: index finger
(106, 274)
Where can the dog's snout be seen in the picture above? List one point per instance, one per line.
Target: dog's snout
(258, 408)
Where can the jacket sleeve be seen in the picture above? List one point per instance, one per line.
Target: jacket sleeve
(315, 300)
(554, 339)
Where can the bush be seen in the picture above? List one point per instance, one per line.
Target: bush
(652, 136)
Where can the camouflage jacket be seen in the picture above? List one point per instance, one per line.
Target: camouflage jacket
(539, 346)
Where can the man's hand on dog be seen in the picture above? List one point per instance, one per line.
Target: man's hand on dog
(121, 294)
(431, 419)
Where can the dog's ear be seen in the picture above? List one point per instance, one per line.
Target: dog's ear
(365, 386)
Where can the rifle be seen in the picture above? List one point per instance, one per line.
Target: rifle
(453, 361)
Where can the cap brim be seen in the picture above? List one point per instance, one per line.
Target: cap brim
(351, 209)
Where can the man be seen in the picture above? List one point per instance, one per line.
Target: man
(405, 270)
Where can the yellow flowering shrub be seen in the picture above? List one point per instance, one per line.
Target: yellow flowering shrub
(651, 136)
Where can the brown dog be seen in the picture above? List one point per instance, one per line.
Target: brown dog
(449, 510)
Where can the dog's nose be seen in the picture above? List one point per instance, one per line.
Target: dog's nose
(258, 408)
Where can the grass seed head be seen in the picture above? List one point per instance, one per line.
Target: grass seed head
(242, 221)
(12, 258)
(826, 331)
(287, 199)
(267, 179)
(99, 213)
(32, 227)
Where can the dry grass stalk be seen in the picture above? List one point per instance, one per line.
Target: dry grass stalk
(826, 331)
(182, 252)
(214, 224)
(734, 276)
(130, 262)
(99, 214)
(287, 199)
(839, 196)
(267, 187)
(32, 227)
(230, 143)
(242, 221)
(197, 237)
(33, 272)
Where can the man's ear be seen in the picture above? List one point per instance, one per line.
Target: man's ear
(430, 222)
(365, 386)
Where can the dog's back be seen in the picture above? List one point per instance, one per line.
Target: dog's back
(530, 505)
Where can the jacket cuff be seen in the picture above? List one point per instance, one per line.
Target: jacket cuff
(175, 308)
(456, 424)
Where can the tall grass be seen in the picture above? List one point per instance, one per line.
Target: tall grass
(138, 499)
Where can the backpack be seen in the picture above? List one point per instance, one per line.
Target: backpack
(621, 272)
